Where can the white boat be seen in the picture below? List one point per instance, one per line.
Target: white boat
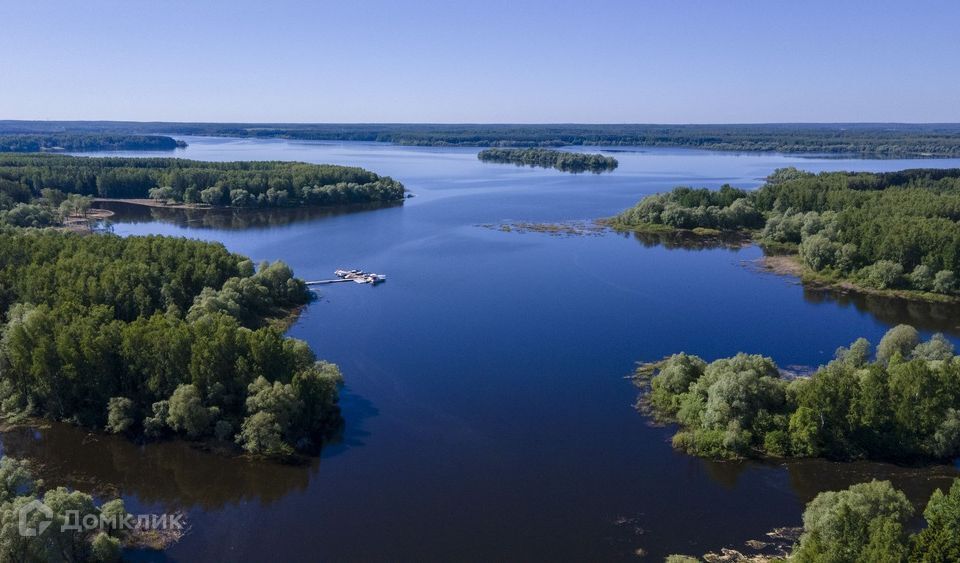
(359, 276)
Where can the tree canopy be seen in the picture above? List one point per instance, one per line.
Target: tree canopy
(237, 184)
(893, 230)
(901, 406)
(150, 336)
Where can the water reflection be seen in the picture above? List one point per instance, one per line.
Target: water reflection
(939, 317)
(809, 477)
(686, 240)
(231, 218)
(172, 474)
(924, 315)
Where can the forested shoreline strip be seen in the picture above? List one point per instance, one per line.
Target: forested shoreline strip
(894, 232)
(39, 190)
(884, 140)
(87, 142)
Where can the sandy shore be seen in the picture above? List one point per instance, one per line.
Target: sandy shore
(782, 264)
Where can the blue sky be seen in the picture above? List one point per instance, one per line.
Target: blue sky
(673, 61)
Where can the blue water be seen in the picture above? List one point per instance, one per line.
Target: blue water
(488, 414)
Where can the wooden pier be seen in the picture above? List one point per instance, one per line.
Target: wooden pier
(324, 282)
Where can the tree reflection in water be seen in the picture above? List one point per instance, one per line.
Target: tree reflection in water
(230, 218)
(173, 474)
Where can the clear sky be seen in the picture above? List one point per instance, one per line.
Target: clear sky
(670, 61)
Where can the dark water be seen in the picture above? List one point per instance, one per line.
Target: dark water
(487, 412)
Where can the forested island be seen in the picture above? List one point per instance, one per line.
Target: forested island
(82, 142)
(546, 158)
(899, 404)
(33, 188)
(885, 140)
(893, 232)
(158, 336)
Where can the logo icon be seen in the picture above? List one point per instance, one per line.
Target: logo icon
(32, 529)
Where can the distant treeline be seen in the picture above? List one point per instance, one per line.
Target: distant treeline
(546, 158)
(873, 139)
(891, 230)
(237, 184)
(80, 142)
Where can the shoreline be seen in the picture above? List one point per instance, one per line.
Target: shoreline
(146, 202)
(789, 265)
(784, 263)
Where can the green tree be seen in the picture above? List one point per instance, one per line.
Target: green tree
(901, 339)
(940, 540)
(843, 526)
(120, 414)
(261, 434)
(187, 413)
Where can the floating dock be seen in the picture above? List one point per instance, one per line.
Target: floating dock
(356, 276)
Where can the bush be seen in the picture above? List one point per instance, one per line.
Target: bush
(187, 413)
(883, 274)
(261, 434)
(105, 548)
(154, 426)
(120, 413)
(818, 252)
(901, 339)
(777, 443)
(945, 282)
(921, 278)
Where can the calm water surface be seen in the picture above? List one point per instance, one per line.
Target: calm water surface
(487, 412)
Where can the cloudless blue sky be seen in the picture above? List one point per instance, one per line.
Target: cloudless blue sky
(671, 61)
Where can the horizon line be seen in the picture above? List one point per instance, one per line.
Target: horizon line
(479, 123)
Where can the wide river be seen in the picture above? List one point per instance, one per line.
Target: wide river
(487, 412)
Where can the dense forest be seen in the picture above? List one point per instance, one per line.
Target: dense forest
(870, 523)
(80, 142)
(546, 158)
(892, 230)
(899, 404)
(237, 184)
(873, 139)
(156, 336)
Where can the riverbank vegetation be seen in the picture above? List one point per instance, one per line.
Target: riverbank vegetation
(236, 184)
(158, 336)
(545, 158)
(885, 140)
(59, 535)
(901, 405)
(879, 231)
(871, 522)
(82, 142)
